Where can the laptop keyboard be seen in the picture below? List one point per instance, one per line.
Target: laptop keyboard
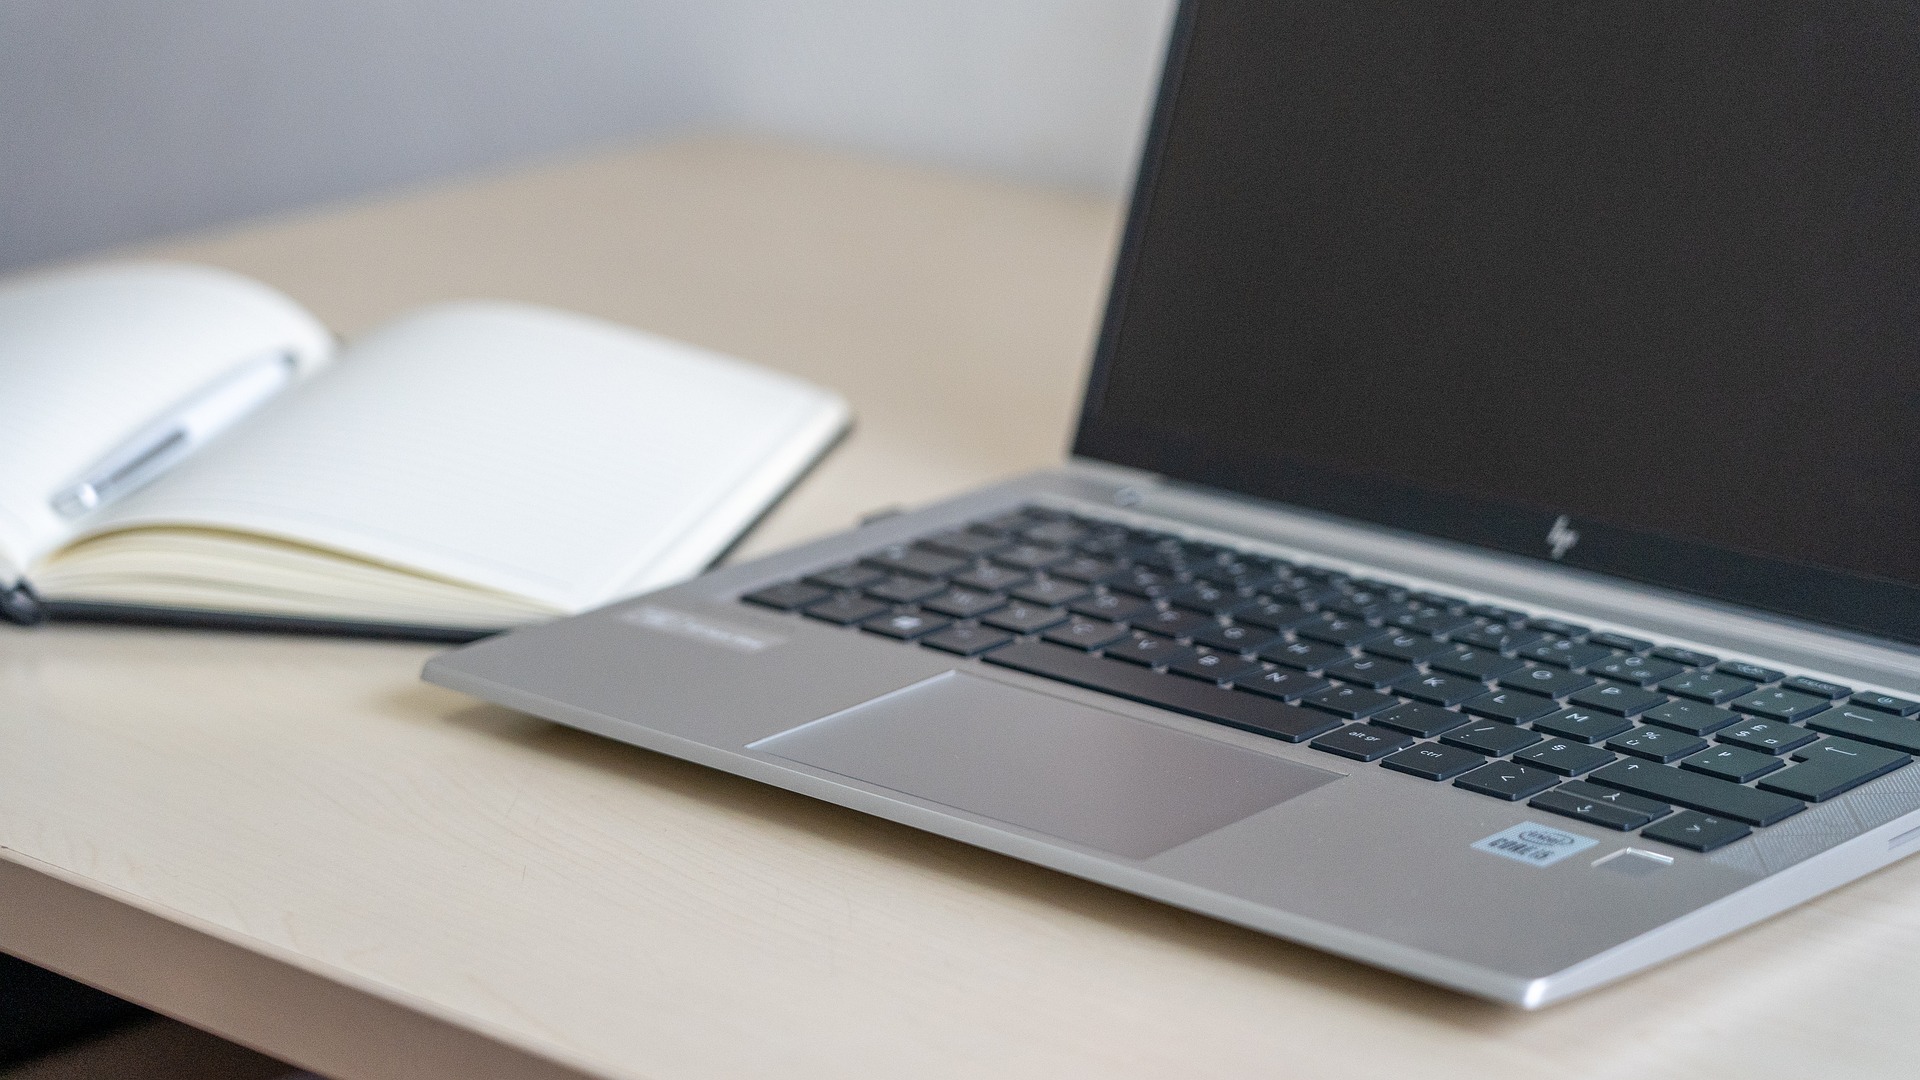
(1619, 732)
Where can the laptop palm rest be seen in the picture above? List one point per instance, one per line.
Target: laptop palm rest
(1070, 771)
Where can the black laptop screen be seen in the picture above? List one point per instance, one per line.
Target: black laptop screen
(1466, 267)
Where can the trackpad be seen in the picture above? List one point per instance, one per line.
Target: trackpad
(1081, 774)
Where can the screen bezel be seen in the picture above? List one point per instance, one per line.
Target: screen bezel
(1864, 604)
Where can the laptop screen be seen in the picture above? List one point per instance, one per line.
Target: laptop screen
(1632, 284)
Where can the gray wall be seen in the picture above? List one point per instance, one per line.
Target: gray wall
(126, 119)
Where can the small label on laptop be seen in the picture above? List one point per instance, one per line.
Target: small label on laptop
(1534, 844)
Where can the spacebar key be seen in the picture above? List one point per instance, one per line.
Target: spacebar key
(1696, 792)
(1242, 710)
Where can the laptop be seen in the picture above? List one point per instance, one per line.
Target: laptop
(1490, 548)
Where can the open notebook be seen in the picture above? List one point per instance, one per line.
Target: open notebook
(468, 467)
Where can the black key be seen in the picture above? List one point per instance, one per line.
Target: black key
(1740, 669)
(963, 603)
(1272, 614)
(1474, 663)
(787, 596)
(1305, 655)
(1735, 763)
(905, 589)
(1788, 705)
(905, 625)
(1866, 725)
(1638, 670)
(1148, 649)
(1361, 742)
(1708, 686)
(1548, 681)
(965, 543)
(1496, 614)
(1564, 756)
(1611, 640)
(1022, 618)
(989, 578)
(1817, 687)
(1281, 684)
(1419, 718)
(844, 609)
(1697, 832)
(1834, 766)
(1566, 654)
(1349, 702)
(1434, 620)
(1582, 725)
(1083, 568)
(1050, 591)
(1707, 794)
(1206, 598)
(1407, 645)
(1886, 704)
(1372, 672)
(1343, 630)
(1499, 637)
(1112, 607)
(1619, 699)
(1235, 638)
(1141, 581)
(1438, 689)
(1031, 557)
(1172, 622)
(1248, 712)
(1558, 627)
(1601, 806)
(1315, 594)
(1056, 532)
(1358, 605)
(1767, 736)
(1213, 667)
(1505, 780)
(1690, 717)
(1434, 761)
(1081, 632)
(1011, 521)
(918, 562)
(850, 576)
(1685, 657)
(1656, 744)
(1490, 737)
(967, 640)
(1513, 706)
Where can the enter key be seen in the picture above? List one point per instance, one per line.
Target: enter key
(1832, 766)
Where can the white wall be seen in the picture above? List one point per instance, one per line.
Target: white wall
(125, 119)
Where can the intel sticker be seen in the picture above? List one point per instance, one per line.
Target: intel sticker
(1535, 845)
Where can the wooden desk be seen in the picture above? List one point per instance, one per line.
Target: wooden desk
(296, 844)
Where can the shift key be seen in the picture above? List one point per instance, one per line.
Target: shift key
(1868, 725)
(1707, 794)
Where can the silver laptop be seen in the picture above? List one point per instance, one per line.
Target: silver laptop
(1491, 545)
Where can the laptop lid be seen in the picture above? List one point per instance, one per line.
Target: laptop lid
(1630, 285)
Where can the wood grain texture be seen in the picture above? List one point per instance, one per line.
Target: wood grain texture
(630, 915)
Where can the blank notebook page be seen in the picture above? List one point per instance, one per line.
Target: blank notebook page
(507, 447)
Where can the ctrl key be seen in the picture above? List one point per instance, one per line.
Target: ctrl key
(1695, 831)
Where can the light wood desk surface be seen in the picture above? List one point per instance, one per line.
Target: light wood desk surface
(296, 844)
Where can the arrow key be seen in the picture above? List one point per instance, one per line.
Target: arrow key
(1696, 832)
(1601, 806)
(1505, 780)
